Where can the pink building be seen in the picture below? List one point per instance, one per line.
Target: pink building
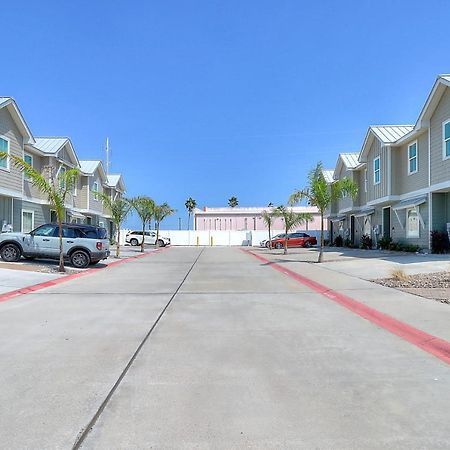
(240, 219)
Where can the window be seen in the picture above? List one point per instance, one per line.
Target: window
(412, 223)
(368, 225)
(446, 139)
(29, 160)
(95, 187)
(376, 171)
(53, 218)
(89, 220)
(45, 230)
(365, 180)
(4, 147)
(62, 171)
(412, 158)
(27, 221)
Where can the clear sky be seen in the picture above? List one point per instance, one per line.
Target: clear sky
(211, 99)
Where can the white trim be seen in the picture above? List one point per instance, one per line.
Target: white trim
(366, 181)
(27, 211)
(9, 193)
(88, 194)
(409, 159)
(430, 217)
(389, 170)
(429, 157)
(8, 165)
(444, 141)
(379, 171)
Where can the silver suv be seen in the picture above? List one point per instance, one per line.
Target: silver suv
(82, 244)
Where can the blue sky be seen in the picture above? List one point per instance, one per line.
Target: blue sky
(211, 99)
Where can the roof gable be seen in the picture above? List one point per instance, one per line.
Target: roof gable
(115, 180)
(89, 167)
(13, 109)
(53, 145)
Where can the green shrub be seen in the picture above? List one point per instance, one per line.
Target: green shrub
(385, 242)
(439, 242)
(366, 242)
(348, 243)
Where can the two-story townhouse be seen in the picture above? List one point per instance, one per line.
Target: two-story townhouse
(93, 181)
(50, 156)
(14, 134)
(404, 176)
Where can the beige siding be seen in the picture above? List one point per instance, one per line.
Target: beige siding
(402, 183)
(11, 180)
(82, 193)
(29, 190)
(95, 203)
(440, 169)
(376, 191)
(359, 180)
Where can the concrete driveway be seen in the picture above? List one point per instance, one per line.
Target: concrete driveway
(211, 349)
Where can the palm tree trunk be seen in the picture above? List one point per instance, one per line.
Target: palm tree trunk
(118, 242)
(143, 236)
(285, 241)
(61, 248)
(270, 238)
(157, 233)
(189, 220)
(321, 238)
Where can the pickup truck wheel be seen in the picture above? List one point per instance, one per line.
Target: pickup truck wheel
(134, 242)
(160, 243)
(10, 253)
(80, 259)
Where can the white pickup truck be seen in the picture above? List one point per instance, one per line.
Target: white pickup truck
(82, 244)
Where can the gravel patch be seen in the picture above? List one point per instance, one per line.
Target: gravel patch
(435, 286)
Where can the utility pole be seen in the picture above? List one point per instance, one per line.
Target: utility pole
(107, 156)
(179, 223)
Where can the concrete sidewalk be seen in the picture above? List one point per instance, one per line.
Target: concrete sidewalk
(345, 277)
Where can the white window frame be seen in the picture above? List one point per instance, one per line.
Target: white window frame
(365, 180)
(375, 182)
(7, 168)
(415, 157)
(28, 211)
(96, 191)
(32, 164)
(444, 141)
(409, 234)
(62, 183)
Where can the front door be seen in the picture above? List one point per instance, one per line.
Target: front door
(387, 222)
(43, 241)
(352, 229)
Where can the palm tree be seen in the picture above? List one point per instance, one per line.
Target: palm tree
(233, 202)
(190, 204)
(160, 213)
(56, 191)
(291, 219)
(119, 209)
(321, 194)
(144, 207)
(267, 217)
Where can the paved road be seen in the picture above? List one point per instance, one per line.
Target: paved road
(243, 357)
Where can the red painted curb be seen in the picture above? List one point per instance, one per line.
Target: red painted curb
(37, 287)
(427, 342)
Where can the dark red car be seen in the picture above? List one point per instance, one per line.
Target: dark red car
(295, 240)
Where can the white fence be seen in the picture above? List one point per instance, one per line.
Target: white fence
(217, 238)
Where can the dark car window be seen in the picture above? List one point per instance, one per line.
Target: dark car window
(94, 233)
(45, 230)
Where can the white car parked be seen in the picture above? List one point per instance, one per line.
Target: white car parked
(135, 238)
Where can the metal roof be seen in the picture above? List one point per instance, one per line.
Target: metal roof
(350, 159)
(50, 144)
(411, 202)
(328, 175)
(113, 179)
(391, 133)
(88, 166)
(4, 100)
(445, 77)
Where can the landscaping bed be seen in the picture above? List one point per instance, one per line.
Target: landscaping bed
(435, 286)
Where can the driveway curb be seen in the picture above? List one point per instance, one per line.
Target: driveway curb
(37, 287)
(438, 347)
